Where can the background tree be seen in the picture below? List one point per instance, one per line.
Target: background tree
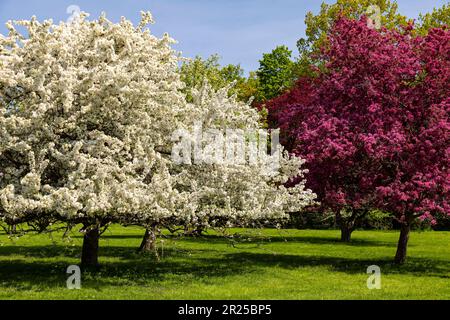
(195, 71)
(275, 73)
(248, 89)
(439, 17)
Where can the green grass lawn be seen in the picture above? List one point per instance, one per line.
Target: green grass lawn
(269, 264)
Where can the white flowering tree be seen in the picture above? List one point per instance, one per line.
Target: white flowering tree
(87, 114)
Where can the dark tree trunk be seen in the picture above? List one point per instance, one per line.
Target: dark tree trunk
(346, 233)
(89, 254)
(148, 241)
(400, 256)
(346, 226)
(12, 229)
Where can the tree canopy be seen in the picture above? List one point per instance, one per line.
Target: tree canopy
(275, 73)
(374, 125)
(88, 112)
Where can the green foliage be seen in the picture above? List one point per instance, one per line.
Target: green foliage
(305, 62)
(248, 89)
(442, 223)
(312, 220)
(438, 17)
(275, 73)
(377, 219)
(195, 71)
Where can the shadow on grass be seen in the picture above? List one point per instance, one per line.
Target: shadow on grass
(246, 239)
(416, 266)
(142, 270)
(249, 238)
(117, 252)
(45, 266)
(128, 252)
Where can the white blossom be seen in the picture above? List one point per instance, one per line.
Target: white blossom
(87, 113)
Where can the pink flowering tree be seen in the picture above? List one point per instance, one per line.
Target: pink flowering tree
(374, 127)
(415, 176)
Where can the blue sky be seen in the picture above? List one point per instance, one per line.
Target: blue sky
(239, 30)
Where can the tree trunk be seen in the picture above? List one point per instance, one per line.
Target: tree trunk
(12, 229)
(346, 226)
(400, 256)
(89, 255)
(346, 233)
(148, 242)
